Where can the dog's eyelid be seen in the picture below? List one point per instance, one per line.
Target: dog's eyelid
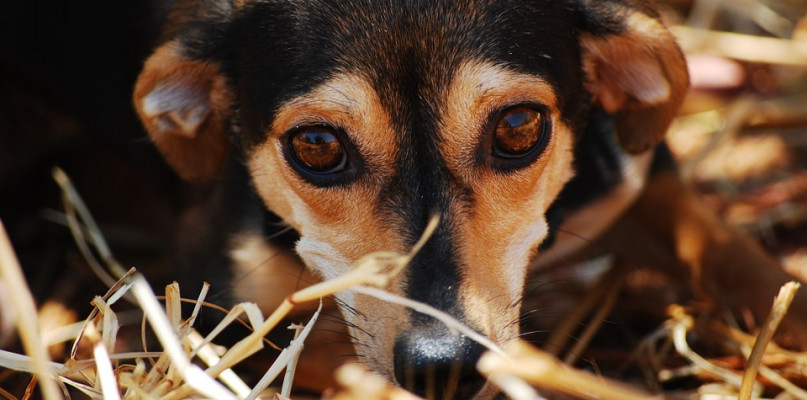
(282, 126)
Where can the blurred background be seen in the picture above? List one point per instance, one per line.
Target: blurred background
(742, 132)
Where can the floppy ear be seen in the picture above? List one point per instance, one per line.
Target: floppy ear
(185, 105)
(635, 70)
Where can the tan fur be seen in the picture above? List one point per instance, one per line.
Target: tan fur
(640, 76)
(506, 223)
(184, 105)
(239, 4)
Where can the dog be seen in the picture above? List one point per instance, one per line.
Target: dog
(354, 122)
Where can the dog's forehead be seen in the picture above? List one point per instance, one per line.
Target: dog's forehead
(406, 49)
(384, 36)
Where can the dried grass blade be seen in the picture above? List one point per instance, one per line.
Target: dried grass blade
(22, 363)
(515, 388)
(780, 306)
(789, 387)
(115, 292)
(86, 389)
(133, 389)
(208, 355)
(253, 315)
(27, 325)
(680, 325)
(285, 357)
(96, 237)
(199, 301)
(173, 307)
(542, 369)
(105, 375)
(62, 333)
(285, 390)
(109, 324)
(362, 384)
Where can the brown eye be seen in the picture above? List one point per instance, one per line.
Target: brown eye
(318, 150)
(518, 131)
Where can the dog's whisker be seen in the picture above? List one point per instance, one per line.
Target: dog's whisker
(349, 342)
(516, 302)
(537, 284)
(577, 236)
(334, 320)
(360, 329)
(350, 309)
(285, 229)
(533, 332)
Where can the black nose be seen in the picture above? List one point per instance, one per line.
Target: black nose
(437, 364)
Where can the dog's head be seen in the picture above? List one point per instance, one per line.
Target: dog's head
(358, 120)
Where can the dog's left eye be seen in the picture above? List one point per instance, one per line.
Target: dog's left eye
(519, 131)
(318, 150)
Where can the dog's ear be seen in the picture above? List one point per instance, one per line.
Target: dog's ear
(185, 105)
(635, 70)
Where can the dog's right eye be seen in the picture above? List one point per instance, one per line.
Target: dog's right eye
(317, 149)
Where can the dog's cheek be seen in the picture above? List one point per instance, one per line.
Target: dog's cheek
(504, 230)
(264, 164)
(331, 242)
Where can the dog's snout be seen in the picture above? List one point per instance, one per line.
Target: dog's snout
(437, 364)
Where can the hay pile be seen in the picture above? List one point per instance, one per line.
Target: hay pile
(96, 369)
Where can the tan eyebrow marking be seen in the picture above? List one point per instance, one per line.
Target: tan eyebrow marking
(349, 102)
(480, 88)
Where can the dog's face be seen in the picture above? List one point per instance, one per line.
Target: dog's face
(359, 120)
